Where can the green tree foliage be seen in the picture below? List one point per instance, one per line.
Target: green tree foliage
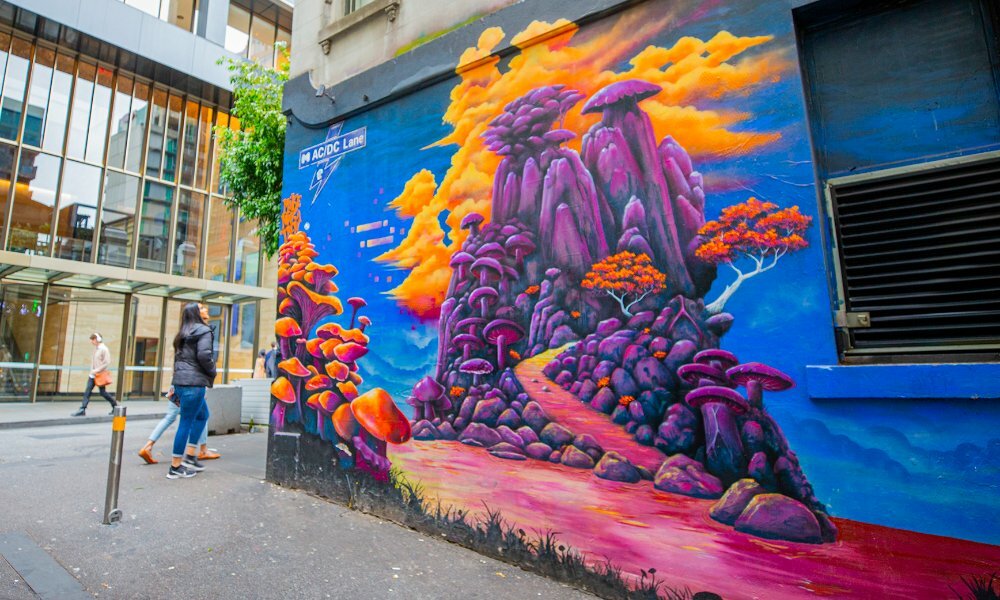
(250, 158)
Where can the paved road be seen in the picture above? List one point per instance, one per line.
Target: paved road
(224, 534)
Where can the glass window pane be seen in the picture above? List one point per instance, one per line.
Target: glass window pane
(178, 12)
(204, 149)
(77, 210)
(157, 126)
(190, 223)
(238, 30)
(262, 41)
(55, 120)
(20, 315)
(142, 364)
(190, 153)
(4, 47)
(119, 123)
(154, 227)
(34, 201)
(118, 219)
(14, 83)
(99, 116)
(38, 97)
(220, 236)
(285, 37)
(216, 317)
(6, 168)
(221, 120)
(80, 119)
(242, 331)
(72, 316)
(137, 128)
(172, 148)
(247, 253)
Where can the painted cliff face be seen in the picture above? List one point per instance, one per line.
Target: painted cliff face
(594, 268)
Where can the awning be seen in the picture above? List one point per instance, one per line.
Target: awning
(18, 267)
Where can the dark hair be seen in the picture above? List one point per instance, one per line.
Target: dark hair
(190, 319)
(263, 353)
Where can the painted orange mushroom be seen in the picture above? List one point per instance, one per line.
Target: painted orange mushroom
(283, 391)
(380, 416)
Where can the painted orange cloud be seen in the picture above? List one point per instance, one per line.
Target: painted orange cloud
(691, 72)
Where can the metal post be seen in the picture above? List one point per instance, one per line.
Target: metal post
(112, 514)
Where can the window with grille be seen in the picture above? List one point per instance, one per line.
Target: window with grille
(904, 111)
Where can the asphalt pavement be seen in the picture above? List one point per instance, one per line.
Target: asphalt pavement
(226, 533)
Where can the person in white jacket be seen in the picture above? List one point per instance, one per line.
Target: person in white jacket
(98, 366)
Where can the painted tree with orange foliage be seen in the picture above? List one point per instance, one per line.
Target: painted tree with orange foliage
(623, 276)
(754, 230)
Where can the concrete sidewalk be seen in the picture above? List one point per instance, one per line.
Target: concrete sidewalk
(223, 534)
(17, 415)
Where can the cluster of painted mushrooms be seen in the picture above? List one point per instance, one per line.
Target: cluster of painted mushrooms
(318, 385)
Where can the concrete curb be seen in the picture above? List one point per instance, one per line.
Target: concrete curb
(75, 421)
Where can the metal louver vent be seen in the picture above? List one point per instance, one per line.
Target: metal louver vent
(919, 253)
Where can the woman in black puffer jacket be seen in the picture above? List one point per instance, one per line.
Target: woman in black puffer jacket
(194, 371)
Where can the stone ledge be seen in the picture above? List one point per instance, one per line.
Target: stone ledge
(337, 28)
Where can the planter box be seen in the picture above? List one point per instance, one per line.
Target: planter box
(225, 405)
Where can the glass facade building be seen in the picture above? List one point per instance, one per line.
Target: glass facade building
(112, 215)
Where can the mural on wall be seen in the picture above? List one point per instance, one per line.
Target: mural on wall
(555, 310)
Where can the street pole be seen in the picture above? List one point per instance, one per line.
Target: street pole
(112, 514)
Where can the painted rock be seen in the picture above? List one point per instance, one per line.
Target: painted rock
(507, 435)
(613, 348)
(735, 500)
(615, 467)
(555, 435)
(644, 434)
(538, 451)
(552, 369)
(633, 354)
(719, 324)
(604, 401)
(573, 457)
(510, 418)
(488, 411)
(467, 408)
(477, 434)
(527, 434)
(650, 374)
(682, 475)
(644, 472)
(604, 369)
(608, 326)
(641, 320)
(561, 336)
(447, 431)
(587, 443)
(425, 430)
(623, 383)
(505, 450)
(620, 415)
(659, 344)
(534, 416)
(564, 379)
(753, 436)
(588, 390)
(778, 517)
(680, 354)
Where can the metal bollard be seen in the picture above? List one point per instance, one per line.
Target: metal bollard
(112, 514)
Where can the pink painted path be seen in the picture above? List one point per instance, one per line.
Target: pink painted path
(639, 527)
(566, 409)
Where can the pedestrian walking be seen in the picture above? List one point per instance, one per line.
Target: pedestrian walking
(271, 361)
(194, 372)
(260, 366)
(174, 411)
(100, 376)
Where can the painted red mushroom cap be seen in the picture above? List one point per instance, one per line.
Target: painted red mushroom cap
(349, 352)
(428, 389)
(710, 394)
(469, 323)
(724, 358)
(769, 378)
(470, 220)
(509, 330)
(461, 258)
(476, 366)
(693, 373)
(632, 90)
(491, 249)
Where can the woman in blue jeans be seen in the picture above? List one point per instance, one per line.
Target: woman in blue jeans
(174, 411)
(194, 372)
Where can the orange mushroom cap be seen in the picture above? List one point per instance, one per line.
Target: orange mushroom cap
(296, 288)
(326, 401)
(318, 382)
(282, 389)
(327, 347)
(287, 327)
(380, 416)
(349, 352)
(354, 335)
(286, 306)
(330, 330)
(337, 370)
(294, 367)
(313, 347)
(348, 389)
(344, 422)
(354, 378)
